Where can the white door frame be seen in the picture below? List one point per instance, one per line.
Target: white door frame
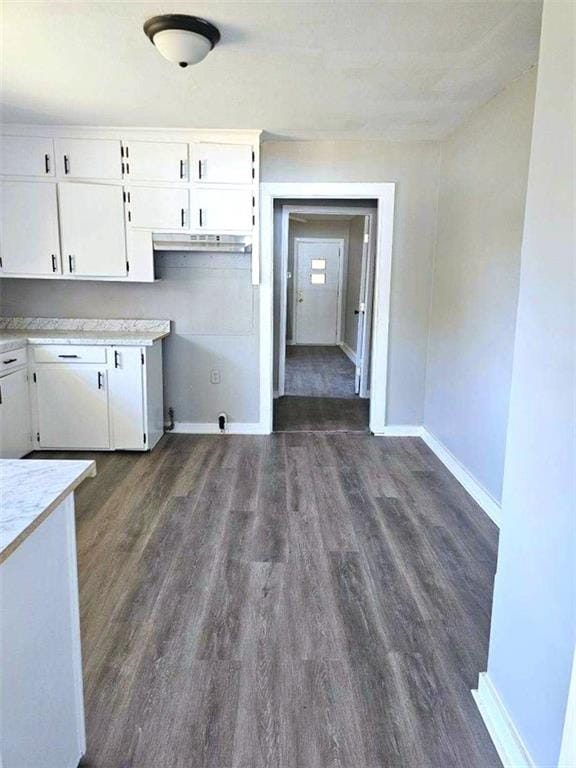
(341, 264)
(383, 193)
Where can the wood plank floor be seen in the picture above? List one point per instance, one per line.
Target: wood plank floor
(292, 601)
(316, 371)
(321, 414)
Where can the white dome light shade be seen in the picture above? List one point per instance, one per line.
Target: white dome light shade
(182, 39)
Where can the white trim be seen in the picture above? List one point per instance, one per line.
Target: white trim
(211, 428)
(505, 737)
(383, 193)
(480, 495)
(568, 745)
(400, 430)
(348, 351)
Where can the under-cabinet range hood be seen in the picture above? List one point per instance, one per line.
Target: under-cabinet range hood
(202, 243)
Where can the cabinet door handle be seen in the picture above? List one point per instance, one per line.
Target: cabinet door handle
(116, 359)
(66, 164)
(10, 360)
(200, 215)
(181, 169)
(54, 268)
(71, 262)
(199, 169)
(0, 395)
(47, 162)
(182, 215)
(100, 380)
(67, 356)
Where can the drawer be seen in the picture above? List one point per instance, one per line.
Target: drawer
(11, 360)
(68, 353)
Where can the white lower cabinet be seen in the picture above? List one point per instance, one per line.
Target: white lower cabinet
(15, 429)
(112, 404)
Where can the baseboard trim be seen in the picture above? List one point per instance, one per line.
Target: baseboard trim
(348, 351)
(400, 430)
(467, 480)
(211, 428)
(509, 745)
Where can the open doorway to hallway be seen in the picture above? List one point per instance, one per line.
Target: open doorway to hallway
(324, 295)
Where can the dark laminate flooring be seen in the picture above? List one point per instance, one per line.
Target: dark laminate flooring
(321, 414)
(313, 371)
(293, 601)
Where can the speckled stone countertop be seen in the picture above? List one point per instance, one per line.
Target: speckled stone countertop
(31, 489)
(17, 331)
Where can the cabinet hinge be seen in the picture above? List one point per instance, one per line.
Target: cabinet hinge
(127, 267)
(142, 357)
(34, 378)
(144, 438)
(121, 151)
(37, 437)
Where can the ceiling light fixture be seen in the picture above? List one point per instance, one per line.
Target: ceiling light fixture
(182, 39)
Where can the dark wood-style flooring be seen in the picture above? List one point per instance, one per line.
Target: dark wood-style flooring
(321, 414)
(314, 371)
(292, 601)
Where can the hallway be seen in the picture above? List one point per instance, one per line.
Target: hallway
(313, 371)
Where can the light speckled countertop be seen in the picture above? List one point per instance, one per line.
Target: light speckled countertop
(18, 331)
(29, 490)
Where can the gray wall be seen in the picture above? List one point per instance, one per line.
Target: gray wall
(534, 613)
(214, 310)
(353, 279)
(483, 179)
(414, 166)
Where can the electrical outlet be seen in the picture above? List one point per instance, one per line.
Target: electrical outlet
(215, 376)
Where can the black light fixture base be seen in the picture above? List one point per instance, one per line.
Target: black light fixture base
(181, 21)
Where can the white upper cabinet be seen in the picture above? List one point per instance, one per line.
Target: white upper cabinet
(93, 230)
(155, 161)
(27, 156)
(29, 239)
(89, 159)
(222, 163)
(223, 209)
(158, 208)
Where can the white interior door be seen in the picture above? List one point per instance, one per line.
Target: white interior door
(318, 270)
(93, 229)
(127, 398)
(72, 402)
(29, 228)
(364, 309)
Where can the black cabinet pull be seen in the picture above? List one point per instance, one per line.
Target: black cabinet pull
(66, 165)
(0, 395)
(199, 169)
(68, 356)
(54, 263)
(181, 169)
(200, 215)
(182, 215)
(116, 359)
(70, 263)
(100, 380)
(47, 163)
(10, 360)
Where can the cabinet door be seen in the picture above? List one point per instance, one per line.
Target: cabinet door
(15, 440)
(27, 156)
(156, 208)
(223, 163)
(93, 229)
(127, 398)
(89, 158)
(29, 228)
(223, 209)
(156, 161)
(72, 406)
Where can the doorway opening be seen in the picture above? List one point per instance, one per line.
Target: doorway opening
(324, 291)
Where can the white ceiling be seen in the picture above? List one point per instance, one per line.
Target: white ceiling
(311, 70)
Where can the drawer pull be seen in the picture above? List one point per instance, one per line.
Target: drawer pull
(68, 355)
(11, 360)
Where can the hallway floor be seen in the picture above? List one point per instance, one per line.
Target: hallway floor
(292, 601)
(320, 393)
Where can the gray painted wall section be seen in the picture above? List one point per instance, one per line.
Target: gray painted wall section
(534, 612)
(483, 181)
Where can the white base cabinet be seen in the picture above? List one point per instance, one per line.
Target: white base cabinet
(113, 404)
(15, 428)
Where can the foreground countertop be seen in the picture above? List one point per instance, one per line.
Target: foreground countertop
(18, 331)
(29, 490)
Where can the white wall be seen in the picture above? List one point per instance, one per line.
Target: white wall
(353, 280)
(414, 166)
(483, 179)
(534, 612)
